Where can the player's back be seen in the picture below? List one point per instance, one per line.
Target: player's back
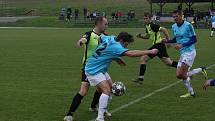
(108, 49)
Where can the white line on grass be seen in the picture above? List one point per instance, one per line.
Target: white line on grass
(142, 98)
(33, 28)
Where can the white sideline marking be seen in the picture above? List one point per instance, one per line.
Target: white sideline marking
(142, 98)
(33, 28)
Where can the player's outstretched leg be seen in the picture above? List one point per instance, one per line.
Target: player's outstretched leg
(104, 98)
(95, 101)
(181, 73)
(142, 70)
(191, 92)
(202, 70)
(77, 101)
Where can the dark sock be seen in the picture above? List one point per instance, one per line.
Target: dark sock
(142, 71)
(174, 64)
(95, 99)
(75, 103)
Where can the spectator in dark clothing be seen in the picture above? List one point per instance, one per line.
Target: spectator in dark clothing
(76, 13)
(69, 13)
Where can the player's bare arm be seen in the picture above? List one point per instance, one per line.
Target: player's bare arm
(165, 32)
(139, 53)
(142, 36)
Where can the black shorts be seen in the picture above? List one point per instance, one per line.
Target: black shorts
(83, 75)
(212, 29)
(162, 51)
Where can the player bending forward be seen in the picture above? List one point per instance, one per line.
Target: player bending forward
(109, 49)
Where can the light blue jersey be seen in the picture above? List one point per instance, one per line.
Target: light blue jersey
(183, 35)
(213, 18)
(107, 50)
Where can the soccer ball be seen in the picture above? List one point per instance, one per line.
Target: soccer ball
(118, 88)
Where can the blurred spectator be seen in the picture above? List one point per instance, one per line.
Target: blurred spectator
(85, 13)
(76, 13)
(113, 16)
(69, 14)
(191, 12)
(88, 15)
(62, 13)
(103, 14)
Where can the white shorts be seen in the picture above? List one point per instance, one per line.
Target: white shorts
(213, 24)
(187, 58)
(98, 78)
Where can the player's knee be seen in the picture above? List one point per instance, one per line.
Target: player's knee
(106, 91)
(180, 76)
(83, 92)
(143, 59)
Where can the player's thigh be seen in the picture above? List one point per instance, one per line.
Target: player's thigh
(167, 60)
(108, 78)
(94, 80)
(104, 87)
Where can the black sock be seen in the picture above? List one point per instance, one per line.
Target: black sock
(142, 71)
(95, 99)
(174, 64)
(75, 103)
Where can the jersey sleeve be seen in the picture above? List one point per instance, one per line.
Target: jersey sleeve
(155, 27)
(120, 50)
(87, 35)
(191, 30)
(147, 31)
(103, 37)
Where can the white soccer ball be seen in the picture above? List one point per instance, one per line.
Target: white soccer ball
(118, 88)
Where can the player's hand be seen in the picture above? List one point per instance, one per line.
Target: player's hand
(178, 46)
(138, 35)
(206, 84)
(154, 51)
(164, 40)
(81, 42)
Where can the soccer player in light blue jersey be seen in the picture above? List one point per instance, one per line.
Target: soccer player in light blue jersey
(210, 82)
(185, 39)
(212, 23)
(110, 48)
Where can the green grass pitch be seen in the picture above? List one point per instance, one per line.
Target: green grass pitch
(40, 73)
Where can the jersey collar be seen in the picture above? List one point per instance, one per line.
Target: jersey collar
(180, 24)
(97, 33)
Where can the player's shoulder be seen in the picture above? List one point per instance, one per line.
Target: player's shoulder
(187, 23)
(174, 25)
(87, 34)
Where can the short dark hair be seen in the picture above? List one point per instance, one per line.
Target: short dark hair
(99, 19)
(147, 14)
(125, 37)
(178, 12)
